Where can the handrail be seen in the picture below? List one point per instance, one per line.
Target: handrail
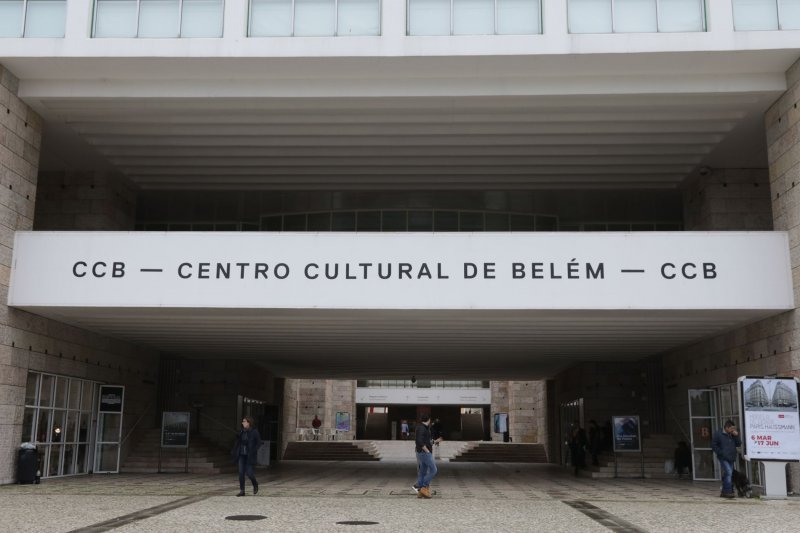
(145, 411)
(680, 427)
(217, 422)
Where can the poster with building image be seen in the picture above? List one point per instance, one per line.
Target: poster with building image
(771, 421)
(627, 437)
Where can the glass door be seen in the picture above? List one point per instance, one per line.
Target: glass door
(571, 414)
(702, 420)
(729, 410)
(109, 429)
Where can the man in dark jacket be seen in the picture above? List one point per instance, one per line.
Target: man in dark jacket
(724, 443)
(424, 448)
(245, 451)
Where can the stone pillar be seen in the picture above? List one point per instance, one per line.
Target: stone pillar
(20, 141)
(727, 199)
(782, 123)
(500, 404)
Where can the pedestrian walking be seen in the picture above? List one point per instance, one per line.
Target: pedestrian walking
(424, 449)
(245, 451)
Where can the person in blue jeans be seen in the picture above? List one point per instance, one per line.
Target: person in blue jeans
(724, 444)
(424, 447)
(245, 451)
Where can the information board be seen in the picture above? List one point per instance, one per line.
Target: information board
(771, 421)
(175, 430)
(627, 435)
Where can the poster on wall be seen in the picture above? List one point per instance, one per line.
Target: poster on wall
(500, 422)
(627, 436)
(111, 397)
(771, 421)
(175, 430)
(342, 421)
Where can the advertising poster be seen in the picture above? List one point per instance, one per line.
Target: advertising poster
(627, 437)
(500, 422)
(111, 398)
(175, 430)
(771, 429)
(342, 421)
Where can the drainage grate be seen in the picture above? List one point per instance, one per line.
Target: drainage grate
(245, 517)
(357, 523)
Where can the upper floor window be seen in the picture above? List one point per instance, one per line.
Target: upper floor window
(636, 16)
(311, 18)
(474, 17)
(32, 18)
(766, 15)
(158, 18)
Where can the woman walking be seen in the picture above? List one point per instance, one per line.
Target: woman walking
(244, 452)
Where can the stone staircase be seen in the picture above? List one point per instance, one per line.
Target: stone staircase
(204, 457)
(656, 449)
(501, 452)
(403, 450)
(331, 451)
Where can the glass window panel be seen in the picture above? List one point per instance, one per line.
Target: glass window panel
(790, 14)
(681, 15)
(71, 428)
(57, 432)
(230, 226)
(158, 18)
(270, 18)
(27, 424)
(700, 403)
(87, 397)
(272, 223)
(202, 18)
(635, 16)
(319, 222)
(43, 425)
(420, 221)
(107, 458)
(55, 461)
(344, 221)
(369, 221)
(702, 430)
(704, 464)
(294, 223)
(45, 18)
(314, 17)
(61, 392)
(471, 221)
(359, 17)
(46, 390)
(83, 427)
(496, 222)
(115, 18)
(109, 427)
(473, 17)
(81, 463)
(69, 460)
(443, 221)
(755, 15)
(394, 221)
(429, 17)
(522, 223)
(30, 388)
(74, 394)
(546, 223)
(589, 16)
(518, 17)
(10, 18)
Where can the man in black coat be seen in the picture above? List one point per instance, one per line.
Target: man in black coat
(724, 443)
(245, 452)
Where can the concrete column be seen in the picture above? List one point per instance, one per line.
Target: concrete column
(20, 142)
(728, 200)
(782, 123)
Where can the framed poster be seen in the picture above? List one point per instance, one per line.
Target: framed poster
(627, 435)
(342, 421)
(175, 429)
(500, 424)
(111, 397)
(771, 421)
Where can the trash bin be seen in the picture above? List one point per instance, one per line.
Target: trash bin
(27, 463)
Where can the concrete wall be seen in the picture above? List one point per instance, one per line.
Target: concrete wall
(526, 405)
(728, 199)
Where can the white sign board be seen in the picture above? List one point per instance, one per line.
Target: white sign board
(597, 271)
(771, 429)
(417, 396)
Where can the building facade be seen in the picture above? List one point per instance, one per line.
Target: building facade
(553, 210)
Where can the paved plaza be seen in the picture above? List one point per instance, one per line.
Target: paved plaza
(324, 496)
